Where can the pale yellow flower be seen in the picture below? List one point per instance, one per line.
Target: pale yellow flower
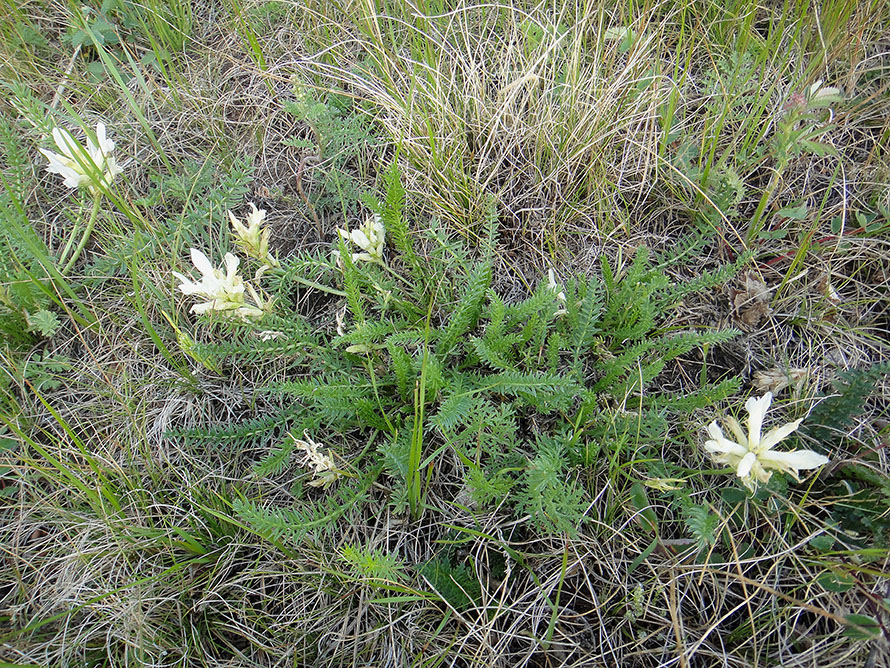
(91, 165)
(752, 454)
(223, 292)
(252, 238)
(370, 237)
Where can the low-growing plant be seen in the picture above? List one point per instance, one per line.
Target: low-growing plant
(832, 415)
(165, 25)
(22, 291)
(32, 283)
(517, 401)
(190, 206)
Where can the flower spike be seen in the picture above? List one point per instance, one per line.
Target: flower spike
(370, 237)
(252, 238)
(223, 292)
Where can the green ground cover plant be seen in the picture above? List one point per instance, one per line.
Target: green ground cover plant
(444, 333)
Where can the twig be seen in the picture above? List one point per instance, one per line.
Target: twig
(61, 88)
(299, 184)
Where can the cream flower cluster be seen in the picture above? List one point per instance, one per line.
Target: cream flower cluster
(752, 454)
(252, 238)
(221, 291)
(324, 468)
(91, 165)
(225, 291)
(370, 237)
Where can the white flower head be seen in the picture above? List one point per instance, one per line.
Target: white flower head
(370, 237)
(252, 238)
(324, 468)
(223, 292)
(91, 165)
(752, 454)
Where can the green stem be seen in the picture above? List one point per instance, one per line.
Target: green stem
(392, 271)
(756, 226)
(703, 374)
(75, 232)
(305, 281)
(94, 214)
(726, 471)
(373, 375)
(318, 286)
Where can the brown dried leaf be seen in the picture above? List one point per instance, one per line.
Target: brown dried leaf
(826, 288)
(751, 303)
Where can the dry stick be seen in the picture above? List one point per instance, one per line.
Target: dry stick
(675, 619)
(305, 199)
(60, 90)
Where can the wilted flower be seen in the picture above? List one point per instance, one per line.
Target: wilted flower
(752, 455)
(223, 292)
(91, 166)
(778, 378)
(339, 315)
(326, 472)
(270, 334)
(795, 103)
(370, 237)
(665, 484)
(252, 238)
